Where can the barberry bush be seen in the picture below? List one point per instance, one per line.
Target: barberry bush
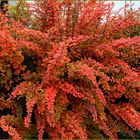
(68, 70)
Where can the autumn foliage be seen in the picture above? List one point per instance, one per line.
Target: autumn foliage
(69, 70)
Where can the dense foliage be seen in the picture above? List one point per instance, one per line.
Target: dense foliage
(69, 70)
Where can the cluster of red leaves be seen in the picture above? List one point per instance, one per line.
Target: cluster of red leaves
(76, 71)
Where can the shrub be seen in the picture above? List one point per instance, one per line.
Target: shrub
(74, 73)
